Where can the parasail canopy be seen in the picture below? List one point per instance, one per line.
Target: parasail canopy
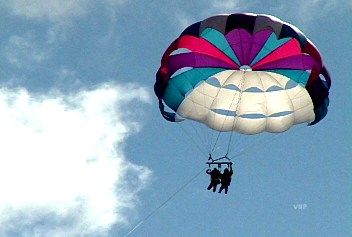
(243, 72)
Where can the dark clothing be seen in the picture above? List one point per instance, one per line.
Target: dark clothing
(214, 178)
(225, 180)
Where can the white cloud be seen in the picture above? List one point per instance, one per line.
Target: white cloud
(63, 171)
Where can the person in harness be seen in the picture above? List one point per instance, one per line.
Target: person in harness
(214, 178)
(226, 177)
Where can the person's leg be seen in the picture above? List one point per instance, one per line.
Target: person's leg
(210, 186)
(226, 189)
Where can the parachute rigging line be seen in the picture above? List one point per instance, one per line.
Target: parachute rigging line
(219, 133)
(237, 106)
(208, 137)
(152, 213)
(192, 139)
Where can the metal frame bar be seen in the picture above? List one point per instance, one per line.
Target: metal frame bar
(219, 163)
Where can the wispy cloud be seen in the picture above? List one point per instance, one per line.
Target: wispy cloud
(54, 10)
(58, 17)
(24, 51)
(301, 10)
(45, 46)
(185, 16)
(312, 10)
(226, 5)
(63, 171)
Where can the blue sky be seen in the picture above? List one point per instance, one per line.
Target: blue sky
(85, 151)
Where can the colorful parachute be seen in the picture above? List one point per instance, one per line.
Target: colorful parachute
(243, 72)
